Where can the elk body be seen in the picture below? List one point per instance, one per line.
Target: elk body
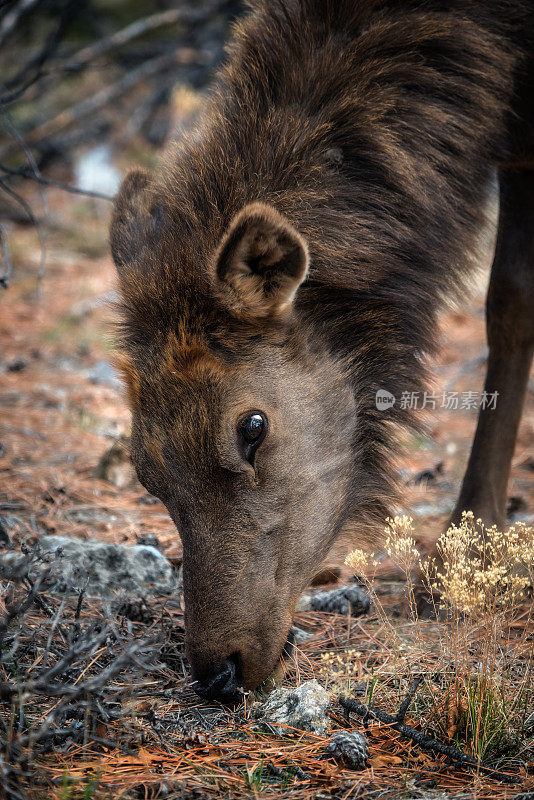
(288, 260)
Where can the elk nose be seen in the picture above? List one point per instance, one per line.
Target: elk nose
(223, 686)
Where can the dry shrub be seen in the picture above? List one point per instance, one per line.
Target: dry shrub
(477, 657)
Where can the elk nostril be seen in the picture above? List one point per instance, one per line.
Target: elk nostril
(224, 685)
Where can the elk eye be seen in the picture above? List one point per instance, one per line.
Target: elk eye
(252, 430)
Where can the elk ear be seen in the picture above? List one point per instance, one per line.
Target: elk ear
(261, 262)
(136, 223)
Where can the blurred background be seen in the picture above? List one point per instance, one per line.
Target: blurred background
(89, 86)
(88, 89)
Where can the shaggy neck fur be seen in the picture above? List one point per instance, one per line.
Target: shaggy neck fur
(374, 128)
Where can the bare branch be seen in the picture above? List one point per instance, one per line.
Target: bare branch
(66, 187)
(11, 19)
(31, 216)
(119, 38)
(105, 96)
(6, 259)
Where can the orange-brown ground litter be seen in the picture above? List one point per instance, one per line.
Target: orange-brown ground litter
(59, 411)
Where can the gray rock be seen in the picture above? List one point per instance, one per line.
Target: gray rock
(299, 635)
(5, 541)
(13, 565)
(96, 172)
(341, 600)
(104, 373)
(349, 747)
(413, 792)
(304, 602)
(83, 308)
(99, 567)
(303, 707)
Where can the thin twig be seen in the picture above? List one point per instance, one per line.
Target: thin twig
(66, 187)
(6, 259)
(35, 172)
(11, 19)
(33, 219)
(51, 44)
(132, 31)
(102, 98)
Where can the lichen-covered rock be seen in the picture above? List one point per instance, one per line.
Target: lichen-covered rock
(98, 567)
(13, 565)
(299, 635)
(341, 600)
(303, 707)
(304, 603)
(349, 747)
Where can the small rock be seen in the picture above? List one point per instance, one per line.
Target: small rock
(148, 500)
(426, 476)
(304, 603)
(299, 635)
(13, 565)
(4, 534)
(303, 707)
(115, 465)
(96, 172)
(432, 509)
(149, 540)
(17, 365)
(86, 306)
(103, 373)
(516, 504)
(341, 600)
(135, 609)
(352, 748)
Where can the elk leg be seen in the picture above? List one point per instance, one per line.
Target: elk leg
(510, 331)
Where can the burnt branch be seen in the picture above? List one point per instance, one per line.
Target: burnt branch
(133, 31)
(49, 48)
(102, 98)
(406, 703)
(88, 663)
(6, 259)
(423, 740)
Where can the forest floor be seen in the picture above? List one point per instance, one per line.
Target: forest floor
(147, 734)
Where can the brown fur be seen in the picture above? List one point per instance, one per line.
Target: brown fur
(361, 136)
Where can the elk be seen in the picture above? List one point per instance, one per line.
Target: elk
(288, 260)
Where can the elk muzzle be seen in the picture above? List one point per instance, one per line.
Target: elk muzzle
(236, 633)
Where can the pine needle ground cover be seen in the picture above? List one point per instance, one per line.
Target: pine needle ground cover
(96, 702)
(95, 698)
